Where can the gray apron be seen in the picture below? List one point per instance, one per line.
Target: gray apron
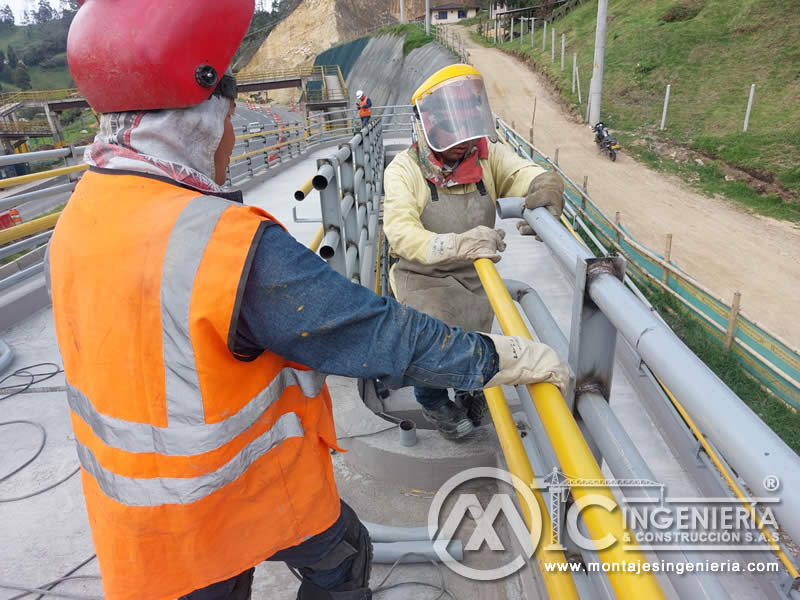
(453, 292)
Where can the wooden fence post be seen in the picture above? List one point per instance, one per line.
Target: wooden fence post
(618, 223)
(732, 318)
(667, 254)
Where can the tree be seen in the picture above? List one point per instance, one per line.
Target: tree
(44, 13)
(2, 63)
(6, 17)
(21, 77)
(12, 57)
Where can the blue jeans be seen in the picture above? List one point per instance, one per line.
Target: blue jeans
(431, 398)
(364, 121)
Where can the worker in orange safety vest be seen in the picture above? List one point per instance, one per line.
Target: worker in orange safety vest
(196, 332)
(364, 106)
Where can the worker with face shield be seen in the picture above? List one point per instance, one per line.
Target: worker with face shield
(439, 216)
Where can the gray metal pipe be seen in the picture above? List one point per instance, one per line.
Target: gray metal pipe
(323, 177)
(719, 413)
(379, 532)
(16, 200)
(21, 275)
(13, 159)
(626, 462)
(7, 356)
(420, 551)
(329, 244)
(39, 238)
(351, 261)
(541, 319)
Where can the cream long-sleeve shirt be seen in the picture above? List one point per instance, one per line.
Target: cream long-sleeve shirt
(504, 174)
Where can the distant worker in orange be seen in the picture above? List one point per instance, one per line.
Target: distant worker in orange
(364, 105)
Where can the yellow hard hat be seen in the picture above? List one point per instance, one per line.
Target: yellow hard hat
(453, 108)
(442, 75)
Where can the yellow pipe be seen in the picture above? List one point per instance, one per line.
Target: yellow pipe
(12, 181)
(576, 459)
(732, 483)
(559, 584)
(305, 189)
(314, 244)
(25, 229)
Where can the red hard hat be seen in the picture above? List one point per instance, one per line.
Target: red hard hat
(151, 54)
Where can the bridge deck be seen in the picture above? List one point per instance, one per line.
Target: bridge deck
(47, 535)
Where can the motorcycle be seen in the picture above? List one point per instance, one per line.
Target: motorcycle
(605, 141)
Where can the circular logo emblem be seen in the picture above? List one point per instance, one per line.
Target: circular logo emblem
(484, 518)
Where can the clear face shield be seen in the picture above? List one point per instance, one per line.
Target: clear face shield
(454, 112)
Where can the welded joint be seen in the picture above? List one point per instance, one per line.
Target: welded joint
(589, 386)
(608, 265)
(641, 336)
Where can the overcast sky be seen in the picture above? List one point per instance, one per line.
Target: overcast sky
(19, 6)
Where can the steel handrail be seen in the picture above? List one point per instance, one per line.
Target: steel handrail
(12, 181)
(574, 456)
(28, 228)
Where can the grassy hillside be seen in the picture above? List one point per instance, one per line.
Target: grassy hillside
(50, 40)
(710, 51)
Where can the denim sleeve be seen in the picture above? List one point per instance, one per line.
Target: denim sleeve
(296, 306)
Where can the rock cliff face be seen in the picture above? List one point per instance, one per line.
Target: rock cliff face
(415, 9)
(314, 26)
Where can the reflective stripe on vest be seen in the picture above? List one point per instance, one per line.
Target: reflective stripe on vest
(155, 491)
(184, 440)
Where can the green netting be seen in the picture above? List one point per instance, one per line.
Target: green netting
(345, 55)
(764, 356)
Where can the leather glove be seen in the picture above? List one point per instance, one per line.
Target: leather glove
(478, 242)
(524, 361)
(546, 190)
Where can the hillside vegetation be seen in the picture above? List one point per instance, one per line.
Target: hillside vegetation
(710, 51)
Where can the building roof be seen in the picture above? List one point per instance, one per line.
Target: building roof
(455, 5)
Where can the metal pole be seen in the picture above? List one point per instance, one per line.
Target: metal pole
(512, 30)
(427, 17)
(544, 37)
(596, 85)
(749, 106)
(578, 82)
(664, 112)
(533, 26)
(574, 68)
(563, 47)
(732, 317)
(552, 44)
(691, 381)
(403, 11)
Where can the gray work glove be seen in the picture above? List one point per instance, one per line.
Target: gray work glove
(524, 361)
(478, 242)
(546, 190)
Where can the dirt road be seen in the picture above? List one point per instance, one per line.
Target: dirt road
(720, 244)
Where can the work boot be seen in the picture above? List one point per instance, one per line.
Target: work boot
(450, 420)
(475, 405)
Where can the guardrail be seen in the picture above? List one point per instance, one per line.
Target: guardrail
(725, 418)
(254, 155)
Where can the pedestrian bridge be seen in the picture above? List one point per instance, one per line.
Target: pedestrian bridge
(643, 422)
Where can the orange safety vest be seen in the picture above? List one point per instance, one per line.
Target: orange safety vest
(195, 465)
(363, 111)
